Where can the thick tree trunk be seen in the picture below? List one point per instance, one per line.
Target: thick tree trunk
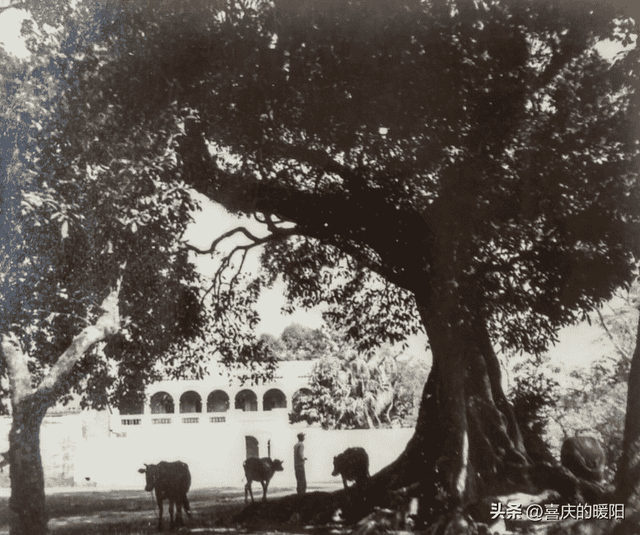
(27, 502)
(467, 442)
(29, 406)
(628, 475)
(482, 447)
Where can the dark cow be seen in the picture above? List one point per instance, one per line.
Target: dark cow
(584, 457)
(171, 481)
(261, 470)
(353, 465)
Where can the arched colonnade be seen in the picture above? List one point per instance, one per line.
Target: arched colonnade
(193, 405)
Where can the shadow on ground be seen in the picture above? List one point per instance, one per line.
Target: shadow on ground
(213, 511)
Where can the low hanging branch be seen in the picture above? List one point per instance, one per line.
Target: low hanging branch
(222, 237)
(276, 234)
(107, 324)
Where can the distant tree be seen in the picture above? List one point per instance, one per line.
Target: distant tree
(412, 376)
(303, 343)
(355, 391)
(272, 342)
(297, 342)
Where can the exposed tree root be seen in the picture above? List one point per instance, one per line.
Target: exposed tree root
(495, 463)
(311, 508)
(386, 499)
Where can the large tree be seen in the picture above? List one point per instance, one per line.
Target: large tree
(95, 285)
(478, 158)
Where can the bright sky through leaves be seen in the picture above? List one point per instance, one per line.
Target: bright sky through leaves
(10, 24)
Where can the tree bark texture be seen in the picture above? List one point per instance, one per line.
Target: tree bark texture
(628, 475)
(467, 442)
(29, 405)
(27, 502)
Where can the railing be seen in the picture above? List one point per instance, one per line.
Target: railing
(132, 422)
(191, 420)
(161, 421)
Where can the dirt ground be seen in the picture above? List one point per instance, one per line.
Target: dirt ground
(134, 512)
(125, 512)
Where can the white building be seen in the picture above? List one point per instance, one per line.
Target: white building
(220, 403)
(213, 425)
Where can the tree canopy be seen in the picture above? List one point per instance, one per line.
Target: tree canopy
(464, 168)
(351, 390)
(95, 284)
(491, 146)
(85, 205)
(299, 342)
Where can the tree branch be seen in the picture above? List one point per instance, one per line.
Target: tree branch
(335, 218)
(17, 362)
(5, 5)
(620, 351)
(267, 219)
(106, 325)
(276, 234)
(313, 157)
(225, 263)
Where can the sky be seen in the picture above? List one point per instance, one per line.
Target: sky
(10, 24)
(212, 221)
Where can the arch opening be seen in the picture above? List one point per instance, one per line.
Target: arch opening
(274, 399)
(246, 401)
(162, 403)
(190, 402)
(218, 401)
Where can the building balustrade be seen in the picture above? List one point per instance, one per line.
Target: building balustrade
(161, 421)
(191, 420)
(131, 421)
(232, 415)
(194, 406)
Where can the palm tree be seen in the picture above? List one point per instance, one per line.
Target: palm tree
(352, 390)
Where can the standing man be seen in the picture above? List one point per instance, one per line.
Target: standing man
(298, 464)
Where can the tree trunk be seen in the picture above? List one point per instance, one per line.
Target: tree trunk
(29, 406)
(467, 443)
(628, 474)
(27, 502)
(482, 448)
